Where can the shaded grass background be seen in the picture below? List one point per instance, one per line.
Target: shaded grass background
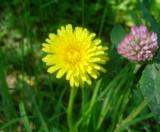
(31, 99)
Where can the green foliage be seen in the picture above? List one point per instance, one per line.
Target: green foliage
(150, 87)
(117, 34)
(150, 80)
(149, 17)
(32, 100)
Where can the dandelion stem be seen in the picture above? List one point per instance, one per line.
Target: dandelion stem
(70, 109)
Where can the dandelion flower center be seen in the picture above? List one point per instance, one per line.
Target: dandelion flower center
(75, 54)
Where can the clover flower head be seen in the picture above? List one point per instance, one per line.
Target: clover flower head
(139, 44)
(75, 54)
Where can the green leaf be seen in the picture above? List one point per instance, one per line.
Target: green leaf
(150, 88)
(157, 57)
(117, 34)
(147, 15)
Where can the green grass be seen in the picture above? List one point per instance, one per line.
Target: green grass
(37, 101)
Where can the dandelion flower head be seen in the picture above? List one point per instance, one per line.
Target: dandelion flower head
(75, 54)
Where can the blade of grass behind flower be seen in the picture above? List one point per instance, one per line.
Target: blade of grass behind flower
(40, 117)
(9, 110)
(10, 123)
(24, 117)
(103, 20)
(122, 99)
(92, 102)
(30, 94)
(113, 82)
(130, 117)
(59, 105)
(83, 12)
(110, 97)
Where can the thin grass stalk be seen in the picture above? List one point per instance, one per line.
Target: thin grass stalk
(83, 12)
(102, 20)
(24, 117)
(107, 104)
(93, 101)
(44, 126)
(130, 117)
(121, 79)
(123, 98)
(118, 76)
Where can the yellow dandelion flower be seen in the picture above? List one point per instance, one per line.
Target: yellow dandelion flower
(76, 54)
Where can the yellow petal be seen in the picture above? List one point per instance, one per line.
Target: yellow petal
(98, 67)
(46, 47)
(68, 75)
(92, 36)
(88, 80)
(71, 81)
(49, 41)
(97, 41)
(98, 60)
(53, 69)
(52, 36)
(69, 28)
(60, 73)
(94, 74)
(76, 82)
